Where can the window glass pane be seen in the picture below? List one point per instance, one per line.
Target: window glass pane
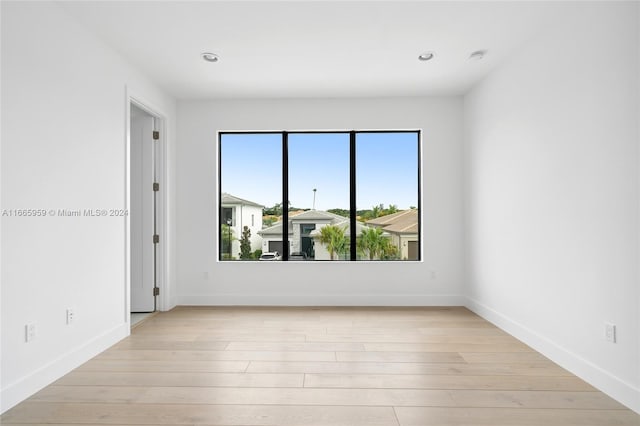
(386, 192)
(387, 195)
(319, 196)
(250, 184)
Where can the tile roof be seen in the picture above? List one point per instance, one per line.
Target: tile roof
(319, 215)
(275, 229)
(231, 199)
(403, 222)
(313, 216)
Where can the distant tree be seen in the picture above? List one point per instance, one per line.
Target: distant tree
(276, 210)
(334, 238)
(389, 250)
(376, 211)
(245, 243)
(391, 209)
(268, 221)
(340, 212)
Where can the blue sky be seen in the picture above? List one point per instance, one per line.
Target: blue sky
(386, 169)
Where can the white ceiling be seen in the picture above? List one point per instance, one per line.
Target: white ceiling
(314, 49)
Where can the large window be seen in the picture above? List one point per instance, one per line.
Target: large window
(250, 182)
(315, 196)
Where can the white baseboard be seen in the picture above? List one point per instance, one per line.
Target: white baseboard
(321, 300)
(613, 386)
(20, 390)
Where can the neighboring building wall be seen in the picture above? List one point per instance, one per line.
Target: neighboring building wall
(273, 238)
(245, 215)
(296, 244)
(401, 228)
(402, 242)
(321, 251)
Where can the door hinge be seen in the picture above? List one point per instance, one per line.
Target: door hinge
(156, 291)
(156, 135)
(156, 187)
(156, 239)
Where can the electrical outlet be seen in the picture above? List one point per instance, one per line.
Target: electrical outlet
(29, 332)
(71, 316)
(433, 274)
(610, 332)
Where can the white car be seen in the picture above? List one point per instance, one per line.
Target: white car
(270, 256)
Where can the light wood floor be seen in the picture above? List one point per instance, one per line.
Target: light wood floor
(320, 366)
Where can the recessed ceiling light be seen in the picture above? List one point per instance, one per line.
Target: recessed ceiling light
(210, 57)
(426, 56)
(477, 55)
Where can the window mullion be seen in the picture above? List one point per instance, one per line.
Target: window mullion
(352, 198)
(285, 196)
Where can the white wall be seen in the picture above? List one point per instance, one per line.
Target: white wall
(63, 147)
(553, 195)
(319, 283)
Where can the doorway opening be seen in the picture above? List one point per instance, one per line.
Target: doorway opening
(144, 210)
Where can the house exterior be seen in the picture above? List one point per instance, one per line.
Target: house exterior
(304, 233)
(272, 238)
(403, 230)
(239, 213)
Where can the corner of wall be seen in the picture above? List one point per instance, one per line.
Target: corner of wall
(16, 392)
(617, 388)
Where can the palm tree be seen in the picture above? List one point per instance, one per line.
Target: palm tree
(389, 251)
(372, 243)
(334, 238)
(376, 211)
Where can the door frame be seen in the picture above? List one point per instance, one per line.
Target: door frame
(162, 260)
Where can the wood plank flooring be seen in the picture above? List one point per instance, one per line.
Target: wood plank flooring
(320, 366)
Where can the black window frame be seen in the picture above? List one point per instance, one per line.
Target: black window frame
(352, 184)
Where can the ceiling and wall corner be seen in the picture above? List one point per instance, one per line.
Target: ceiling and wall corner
(344, 49)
